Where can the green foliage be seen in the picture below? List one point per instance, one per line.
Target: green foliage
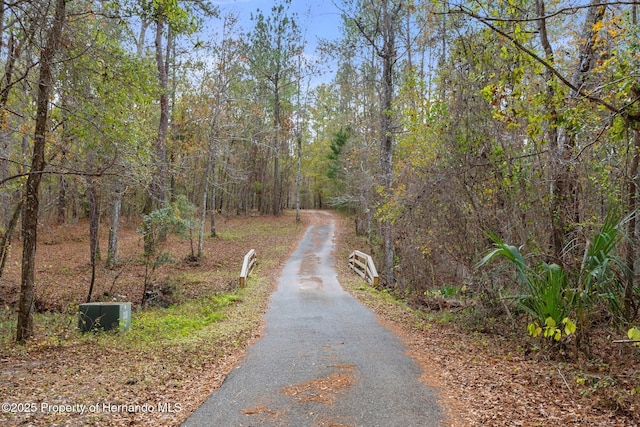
(446, 291)
(157, 224)
(634, 334)
(543, 287)
(177, 218)
(602, 273)
(179, 322)
(104, 95)
(422, 118)
(273, 46)
(180, 16)
(511, 253)
(547, 298)
(550, 295)
(337, 144)
(552, 329)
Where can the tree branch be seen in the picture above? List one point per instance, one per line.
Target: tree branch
(562, 11)
(578, 90)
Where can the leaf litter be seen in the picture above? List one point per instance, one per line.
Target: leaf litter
(483, 380)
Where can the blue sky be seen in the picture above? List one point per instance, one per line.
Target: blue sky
(317, 18)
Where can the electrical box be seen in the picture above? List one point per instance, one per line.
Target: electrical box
(104, 316)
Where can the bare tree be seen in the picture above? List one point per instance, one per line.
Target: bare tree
(38, 163)
(380, 23)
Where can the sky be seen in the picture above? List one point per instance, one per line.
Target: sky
(321, 18)
(318, 19)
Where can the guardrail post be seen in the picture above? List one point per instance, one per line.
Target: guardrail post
(248, 263)
(363, 264)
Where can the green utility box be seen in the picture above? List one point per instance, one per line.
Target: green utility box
(104, 316)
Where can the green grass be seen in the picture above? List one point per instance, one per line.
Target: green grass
(152, 326)
(178, 323)
(231, 235)
(51, 328)
(7, 326)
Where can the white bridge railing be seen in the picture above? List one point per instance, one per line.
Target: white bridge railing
(247, 266)
(363, 264)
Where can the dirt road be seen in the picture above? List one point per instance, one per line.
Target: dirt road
(323, 359)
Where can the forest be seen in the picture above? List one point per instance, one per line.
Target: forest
(485, 150)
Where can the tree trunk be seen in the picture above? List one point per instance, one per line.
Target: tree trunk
(389, 55)
(5, 242)
(5, 196)
(299, 173)
(633, 205)
(203, 220)
(384, 27)
(94, 224)
(158, 188)
(556, 238)
(205, 196)
(63, 185)
(276, 148)
(14, 49)
(144, 24)
(262, 201)
(159, 184)
(633, 228)
(387, 165)
(116, 207)
(214, 184)
(565, 188)
(38, 163)
(61, 204)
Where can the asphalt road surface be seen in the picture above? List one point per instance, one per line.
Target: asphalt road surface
(323, 359)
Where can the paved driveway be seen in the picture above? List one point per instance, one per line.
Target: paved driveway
(323, 359)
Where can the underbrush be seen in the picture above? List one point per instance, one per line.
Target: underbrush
(149, 327)
(179, 346)
(604, 382)
(178, 322)
(476, 337)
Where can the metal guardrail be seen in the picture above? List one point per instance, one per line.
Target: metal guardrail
(363, 264)
(249, 262)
